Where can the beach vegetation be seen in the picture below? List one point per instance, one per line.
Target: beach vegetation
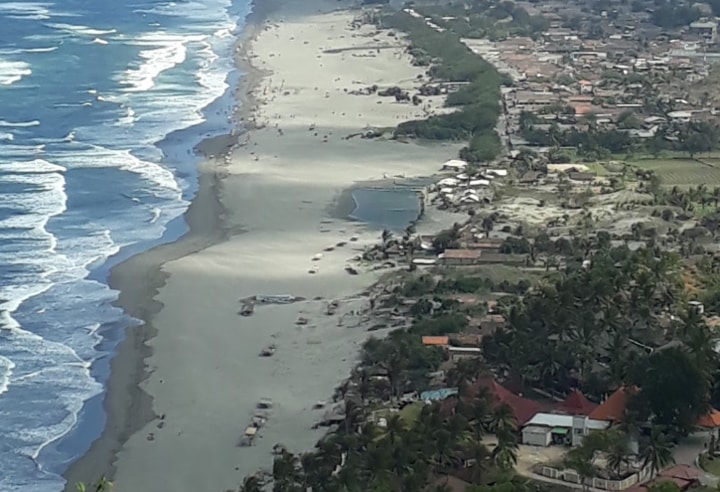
(477, 101)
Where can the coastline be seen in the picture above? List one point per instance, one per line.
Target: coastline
(139, 278)
(214, 218)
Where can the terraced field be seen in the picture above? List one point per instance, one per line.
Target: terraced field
(683, 172)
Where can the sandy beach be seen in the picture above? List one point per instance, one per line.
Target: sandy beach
(263, 212)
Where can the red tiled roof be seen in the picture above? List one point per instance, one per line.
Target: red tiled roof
(461, 254)
(683, 472)
(452, 483)
(710, 420)
(438, 341)
(522, 408)
(576, 404)
(612, 409)
(682, 484)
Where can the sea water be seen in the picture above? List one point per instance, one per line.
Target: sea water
(101, 103)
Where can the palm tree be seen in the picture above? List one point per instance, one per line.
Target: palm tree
(487, 225)
(395, 428)
(617, 453)
(582, 464)
(657, 451)
(505, 453)
(476, 457)
(364, 384)
(502, 420)
(102, 485)
(254, 483)
(286, 471)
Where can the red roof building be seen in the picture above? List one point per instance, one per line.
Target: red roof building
(612, 409)
(522, 408)
(711, 420)
(683, 472)
(576, 404)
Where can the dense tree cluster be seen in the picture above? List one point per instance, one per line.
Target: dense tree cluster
(478, 100)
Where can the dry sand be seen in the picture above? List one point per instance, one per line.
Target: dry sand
(205, 376)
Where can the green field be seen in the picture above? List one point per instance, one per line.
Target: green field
(683, 172)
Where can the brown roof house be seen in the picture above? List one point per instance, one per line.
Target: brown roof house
(460, 257)
(613, 409)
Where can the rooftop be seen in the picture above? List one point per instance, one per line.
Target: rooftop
(577, 404)
(612, 409)
(461, 254)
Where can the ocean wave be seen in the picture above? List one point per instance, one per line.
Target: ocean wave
(165, 52)
(57, 315)
(6, 367)
(129, 118)
(78, 29)
(25, 10)
(13, 71)
(20, 124)
(7, 136)
(37, 166)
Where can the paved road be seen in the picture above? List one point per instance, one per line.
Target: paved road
(687, 451)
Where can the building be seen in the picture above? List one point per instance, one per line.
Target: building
(523, 409)
(705, 30)
(576, 404)
(460, 257)
(435, 341)
(552, 428)
(458, 353)
(613, 408)
(438, 394)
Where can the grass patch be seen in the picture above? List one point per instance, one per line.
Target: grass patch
(710, 466)
(598, 168)
(681, 172)
(411, 413)
(495, 273)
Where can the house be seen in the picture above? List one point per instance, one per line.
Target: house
(449, 483)
(576, 404)
(613, 408)
(684, 476)
(522, 408)
(547, 428)
(429, 341)
(454, 165)
(533, 435)
(459, 353)
(530, 177)
(438, 394)
(710, 422)
(460, 257)
(582, 176)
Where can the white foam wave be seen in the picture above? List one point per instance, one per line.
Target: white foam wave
(7, 136)
(98, 157)
(37, 166)
(78, 29)
(9, 151)
(20, 124)
(164, 52)
(13, 71)
(6, 367)
(156, 213)
(25, 10)
(49, 49)
(128, 119)
(99, 41)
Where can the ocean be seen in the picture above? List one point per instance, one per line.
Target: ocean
(101, 104)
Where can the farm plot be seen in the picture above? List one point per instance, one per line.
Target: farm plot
(683, 172)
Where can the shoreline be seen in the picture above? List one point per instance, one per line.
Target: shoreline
(127, 406)
(156, 291)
